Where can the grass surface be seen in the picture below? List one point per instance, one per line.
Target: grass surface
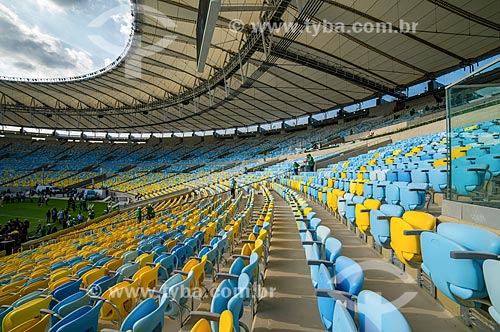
(35, 213)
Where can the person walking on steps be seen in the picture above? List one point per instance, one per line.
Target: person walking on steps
(150, 212)
(138, 214)
(296, 168)
(233, 188)
(310, 163)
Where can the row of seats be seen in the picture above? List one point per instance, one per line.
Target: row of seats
(339, 279)
(116, 260)
(240, 286)
(458, 259)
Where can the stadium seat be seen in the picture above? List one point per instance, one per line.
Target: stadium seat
(407, 247)
(85, 318)
(461, 280)
(491, 270)
(225, 322)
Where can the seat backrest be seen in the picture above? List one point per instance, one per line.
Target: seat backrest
(326, 305)
(315, 222)
(128, 270)
(199, 272)
(84, 318)
(333, 247)
(375, 313)
(453, 277)
(349, 276)
(470, 237)
(147, 316)
(130, 256)
(220, 300)
(252, 268)
(28, 312)
(226, 322)
(235, 304)
(322, 233)
(66, 289)
(342, 319)
(407, 247)
(491, 270)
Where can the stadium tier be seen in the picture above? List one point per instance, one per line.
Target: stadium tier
(275, 166)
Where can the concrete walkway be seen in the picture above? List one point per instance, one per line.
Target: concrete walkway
(292, 306)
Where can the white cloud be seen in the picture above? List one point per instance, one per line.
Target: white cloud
(49, 6)
(125, 21)
(25, 51)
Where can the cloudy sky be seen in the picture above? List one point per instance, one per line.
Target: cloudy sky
(61, 38)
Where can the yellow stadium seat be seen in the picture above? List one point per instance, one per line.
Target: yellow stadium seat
(407, 247)
(363, 214)
(27, 317)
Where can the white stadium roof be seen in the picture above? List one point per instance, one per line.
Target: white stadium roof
(253, 77)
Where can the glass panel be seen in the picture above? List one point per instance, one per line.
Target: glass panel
(473, 106)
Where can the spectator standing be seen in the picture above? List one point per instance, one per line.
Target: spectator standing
(233, 188)
(150, 212)
(54, 214)
(138, 214)
(296, 168)
(310, 163)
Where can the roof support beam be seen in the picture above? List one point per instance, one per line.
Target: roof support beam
(394, 28)
(245, 8)
(465, 14)
(337, 71)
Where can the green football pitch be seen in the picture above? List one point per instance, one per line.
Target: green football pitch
(35, 213)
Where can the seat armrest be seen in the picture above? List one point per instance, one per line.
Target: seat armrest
(195, 258)
(414, 231)
(182, 273)
(473, 255)
(242, 257)
(310, 243)
(365, 211)
(218, 236)
(334, 294)
(48, 312)
(128, 279)
(247, 241)
(110, 330)
(384, 217)
(211, 316)
(151, 264)
(417, 189)
(98, 298)
(477, 169)
(316, 262)
(207, 246)
(307, 230)
(227, 276)
(155, 292)
(351, 204)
